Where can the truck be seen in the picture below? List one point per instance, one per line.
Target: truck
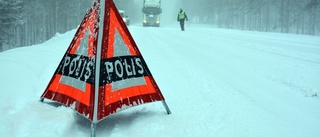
(151, 12)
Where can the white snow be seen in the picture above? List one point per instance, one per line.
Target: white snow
(217, 82)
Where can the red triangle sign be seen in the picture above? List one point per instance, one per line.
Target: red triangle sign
(102, 71)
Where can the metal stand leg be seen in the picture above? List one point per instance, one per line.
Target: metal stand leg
(166, 107)
(93, 129)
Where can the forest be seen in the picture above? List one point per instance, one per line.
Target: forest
(285, 16)
(29, 22)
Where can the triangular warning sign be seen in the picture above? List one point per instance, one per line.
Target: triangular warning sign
(103, 70)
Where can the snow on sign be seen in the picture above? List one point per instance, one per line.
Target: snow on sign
(103, 70)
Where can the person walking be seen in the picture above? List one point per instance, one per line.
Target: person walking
(182, 16)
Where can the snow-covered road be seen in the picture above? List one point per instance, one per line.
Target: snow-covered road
(217, 82)
(251, 79)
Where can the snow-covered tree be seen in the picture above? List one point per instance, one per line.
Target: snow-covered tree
(286, 16)
(10, 17)
(311, 8)
(28, 22)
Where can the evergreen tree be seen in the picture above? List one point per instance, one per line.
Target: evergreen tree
(10, 17)
(286, 16)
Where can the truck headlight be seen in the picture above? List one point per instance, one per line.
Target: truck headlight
(144, 21)
(158, 21)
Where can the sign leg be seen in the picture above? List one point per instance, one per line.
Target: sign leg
(93, 129)
(166, 107)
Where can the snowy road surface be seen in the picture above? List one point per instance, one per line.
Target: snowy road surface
(217, 82)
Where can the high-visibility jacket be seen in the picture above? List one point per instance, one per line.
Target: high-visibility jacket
(182, 15)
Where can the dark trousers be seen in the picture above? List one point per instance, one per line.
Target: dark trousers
(182, 24)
